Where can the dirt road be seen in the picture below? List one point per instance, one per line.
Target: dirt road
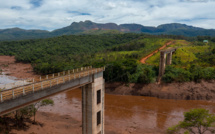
(143, 60)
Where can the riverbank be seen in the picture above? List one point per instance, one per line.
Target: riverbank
(121, 115)
(132, 114)
(19, 70)
(184, 91)
(205, 90)
(124, 114)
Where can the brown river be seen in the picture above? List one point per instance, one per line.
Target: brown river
(123, 114)
(130, 114)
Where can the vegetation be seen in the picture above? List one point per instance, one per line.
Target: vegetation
(196, 121)
(21, 116)
(120, 53)
(42, 103)
(88, 27)
(61, 53)
(191, 62)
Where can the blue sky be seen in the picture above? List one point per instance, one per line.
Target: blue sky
(53, 14)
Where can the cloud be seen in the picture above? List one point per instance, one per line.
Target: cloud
(78, 13)
(53, 14)
(36, 3)
(16, 7)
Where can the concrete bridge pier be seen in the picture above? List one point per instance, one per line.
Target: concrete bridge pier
(93, 106)
(169, 58)
(165, 58)
(162, 64)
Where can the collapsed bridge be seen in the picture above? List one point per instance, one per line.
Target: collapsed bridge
(89, 79)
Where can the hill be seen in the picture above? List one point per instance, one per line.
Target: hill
(20, 34)
(88, 27)
(120, 53)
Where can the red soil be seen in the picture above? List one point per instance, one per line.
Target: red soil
(205, 90)
(143, 60)
(19, 70)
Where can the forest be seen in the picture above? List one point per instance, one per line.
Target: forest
(120, 53)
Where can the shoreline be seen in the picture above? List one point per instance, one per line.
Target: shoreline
(183, 91)
(180, 91)
(53, 122)
(19, 70)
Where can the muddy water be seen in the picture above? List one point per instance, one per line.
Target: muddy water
(4, 79)
(130, 113)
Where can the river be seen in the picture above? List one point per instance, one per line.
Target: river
(132, 114)
(123, 114)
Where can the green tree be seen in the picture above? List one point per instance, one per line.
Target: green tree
(196, 121)
(44, 102)
(147, 75)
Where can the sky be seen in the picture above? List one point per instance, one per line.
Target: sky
(54, 14)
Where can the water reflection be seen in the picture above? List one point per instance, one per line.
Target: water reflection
(135, 111)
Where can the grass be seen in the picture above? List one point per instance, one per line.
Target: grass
(154, 60)
(185, 54)
(180, 43)
(151, 44)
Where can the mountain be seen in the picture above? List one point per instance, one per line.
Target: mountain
(89, 27)
(20, 34)
(77, 28)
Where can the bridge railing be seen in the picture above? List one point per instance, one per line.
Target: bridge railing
(46, 83)
(50, 76)
(23, 82)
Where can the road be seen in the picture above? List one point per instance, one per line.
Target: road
(143, 60)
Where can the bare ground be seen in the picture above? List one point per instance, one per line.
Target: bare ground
(52, 123)
(205, 90)
(55, 123)
(49, 123)
(143, 60)
(9, 65)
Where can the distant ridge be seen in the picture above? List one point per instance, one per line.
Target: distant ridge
(89, 27)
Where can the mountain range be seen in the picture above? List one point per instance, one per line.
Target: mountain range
(89, 27)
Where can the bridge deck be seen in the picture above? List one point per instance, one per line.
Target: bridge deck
(47, 83)
(169, 49)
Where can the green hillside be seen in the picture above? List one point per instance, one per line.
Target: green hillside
(120, 53)
(61, 53)
(191, 61)
(186, 54)
(89, 27)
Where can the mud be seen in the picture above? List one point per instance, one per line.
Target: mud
(65, 116)
(19, 70)
(205, 90)
(124, 114)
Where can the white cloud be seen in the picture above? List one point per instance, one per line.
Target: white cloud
(52, 14)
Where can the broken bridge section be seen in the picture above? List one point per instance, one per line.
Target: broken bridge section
(89, 79)
(165, 58)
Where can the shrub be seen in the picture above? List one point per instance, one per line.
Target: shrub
(147, 75)
(176, 74)
(196, 121)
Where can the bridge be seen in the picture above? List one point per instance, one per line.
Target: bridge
(165, 58)
(89, 79)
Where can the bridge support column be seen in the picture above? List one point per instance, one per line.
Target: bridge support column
(162, 65)
(93, 106)
(169, 58)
